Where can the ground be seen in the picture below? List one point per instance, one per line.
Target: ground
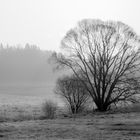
(119, 126)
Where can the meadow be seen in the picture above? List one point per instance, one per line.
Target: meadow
(22, 118)
(120, 126)
(24, 102)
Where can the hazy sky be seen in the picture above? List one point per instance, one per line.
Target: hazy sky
(45, 22)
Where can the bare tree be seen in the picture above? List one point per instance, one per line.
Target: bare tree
(108, 56)
(73, 92)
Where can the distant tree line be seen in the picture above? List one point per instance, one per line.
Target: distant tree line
(24, 64)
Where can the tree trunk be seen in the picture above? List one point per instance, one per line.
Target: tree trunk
(102, 107)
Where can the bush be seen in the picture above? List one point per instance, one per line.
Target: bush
(49, 109)
(74, 93)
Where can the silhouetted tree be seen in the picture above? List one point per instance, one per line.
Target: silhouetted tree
(72, 90)
(108, 56)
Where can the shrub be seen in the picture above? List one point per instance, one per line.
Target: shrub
(49, 109)
(72, 90)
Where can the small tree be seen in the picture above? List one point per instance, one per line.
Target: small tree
(108, 56)
(72, 90)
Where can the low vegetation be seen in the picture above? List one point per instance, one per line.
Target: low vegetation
(31, 122)
(49, 109)
(91, 127)
(13, 113)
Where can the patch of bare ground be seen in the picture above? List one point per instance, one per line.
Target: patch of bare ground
(90, 127)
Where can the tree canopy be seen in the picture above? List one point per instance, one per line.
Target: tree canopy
(108, 55)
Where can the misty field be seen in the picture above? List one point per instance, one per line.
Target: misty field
(21, 118)
(19, 102)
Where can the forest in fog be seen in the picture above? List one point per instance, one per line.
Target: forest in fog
(28, 65)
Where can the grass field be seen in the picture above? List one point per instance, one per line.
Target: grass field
(90, 127)
(21, 118)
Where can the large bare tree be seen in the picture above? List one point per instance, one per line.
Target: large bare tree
(108, 56)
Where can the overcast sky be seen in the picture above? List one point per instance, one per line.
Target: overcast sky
(45, 22)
